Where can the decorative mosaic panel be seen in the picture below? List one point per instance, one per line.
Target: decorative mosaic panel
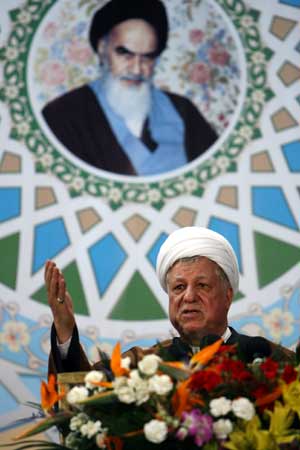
(104, 231)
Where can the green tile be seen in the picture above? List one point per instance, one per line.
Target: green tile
(9, 249)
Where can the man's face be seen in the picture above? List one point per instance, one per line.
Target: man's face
(130, 51)
(199, 299)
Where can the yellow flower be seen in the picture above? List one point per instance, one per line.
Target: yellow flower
(291, 395)
(281, 419)
(251, 436)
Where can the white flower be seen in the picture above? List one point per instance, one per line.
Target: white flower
(125, 394)
(77, 183)
(156, 431)
(90, 428)
(24, 17)
(94, 376)
(246, 21)
(139, 386)
(220, 406)
(258, 96)
(190, 184)
(243, 408)
(125, 362)
(11, 53)
(23, 128)
(246, 132)
(115, 195)
(77, 394)
(280, 323)
(149, 364)
(160, 384)
(11, 92)
(154, 195)
(47, 160)
(222, 428)
(258, 58)
(77, 421)
(223, 162)
(100, 440)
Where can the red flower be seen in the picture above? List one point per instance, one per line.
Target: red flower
(269, 368)
(289, 374)
(196, 35)
(205, 379)
(261, 391)
(219, 55)
(199, 73)
(236, 369)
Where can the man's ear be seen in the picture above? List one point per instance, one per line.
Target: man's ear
(101, 48)
(229, 297)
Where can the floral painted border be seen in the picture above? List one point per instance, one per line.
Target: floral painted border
(25, 127)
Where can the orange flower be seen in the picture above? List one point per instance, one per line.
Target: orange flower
(180, 398)
(113, 443)
(269, 398)
(206, 354)
(116, 360)
(49, 395)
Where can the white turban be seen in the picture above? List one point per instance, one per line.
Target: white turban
(197, 241)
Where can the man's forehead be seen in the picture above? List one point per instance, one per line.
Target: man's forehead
(130, 32)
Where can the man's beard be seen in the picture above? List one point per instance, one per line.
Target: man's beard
(130, 102)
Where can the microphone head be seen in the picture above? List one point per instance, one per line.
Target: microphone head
(209, 339)
(254, 347)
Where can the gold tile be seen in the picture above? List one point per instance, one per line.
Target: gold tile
(185, 217)
(228, 195)
(283, 119)
(281, 26)
(88, 218)
(10, 163)
(44, 196)
(289, 73)
(136, 226)
(261, 162)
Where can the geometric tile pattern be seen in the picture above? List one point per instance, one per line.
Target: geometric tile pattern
(261, 162)
(137, 302)
(136, 226)
(44, 196)
(270, 203)
(10, 203)
(10, 163)
(107, 256)
(283, 120)
(50, 238)
(228, 195)
(231, 232)
(282, 26)
(185, 217)
(289, 73)
(153, 252)
(88, 218)
(291, 152)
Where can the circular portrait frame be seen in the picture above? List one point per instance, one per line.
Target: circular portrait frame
(118, 190)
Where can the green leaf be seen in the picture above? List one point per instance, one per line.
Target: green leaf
(46, 424)
(106, 398)
(174, 372)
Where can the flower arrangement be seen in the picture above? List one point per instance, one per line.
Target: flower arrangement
(214, 402)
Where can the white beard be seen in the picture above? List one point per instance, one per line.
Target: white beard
(132, 103)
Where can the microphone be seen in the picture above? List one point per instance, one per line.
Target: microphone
(254, 347)
(208, 340)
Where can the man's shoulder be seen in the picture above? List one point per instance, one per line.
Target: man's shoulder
(179, 100)
(70, 100)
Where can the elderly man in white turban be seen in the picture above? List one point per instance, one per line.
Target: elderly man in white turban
(198, 269)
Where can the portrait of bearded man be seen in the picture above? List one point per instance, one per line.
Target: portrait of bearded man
(121, 122)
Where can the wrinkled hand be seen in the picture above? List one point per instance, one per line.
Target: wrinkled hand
(63, 314)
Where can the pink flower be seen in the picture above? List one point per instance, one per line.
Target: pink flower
(50, 30)
(218, 55)
(78, 52)
(196, 36)
(199, 73)
(53, 73)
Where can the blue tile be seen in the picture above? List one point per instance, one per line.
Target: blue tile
(291, 152)
(107, 256)
(10, 203)
(8, 402)
(50, 238)
(152, 254)
(270, 204)
(230, 231)
(295, 3)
